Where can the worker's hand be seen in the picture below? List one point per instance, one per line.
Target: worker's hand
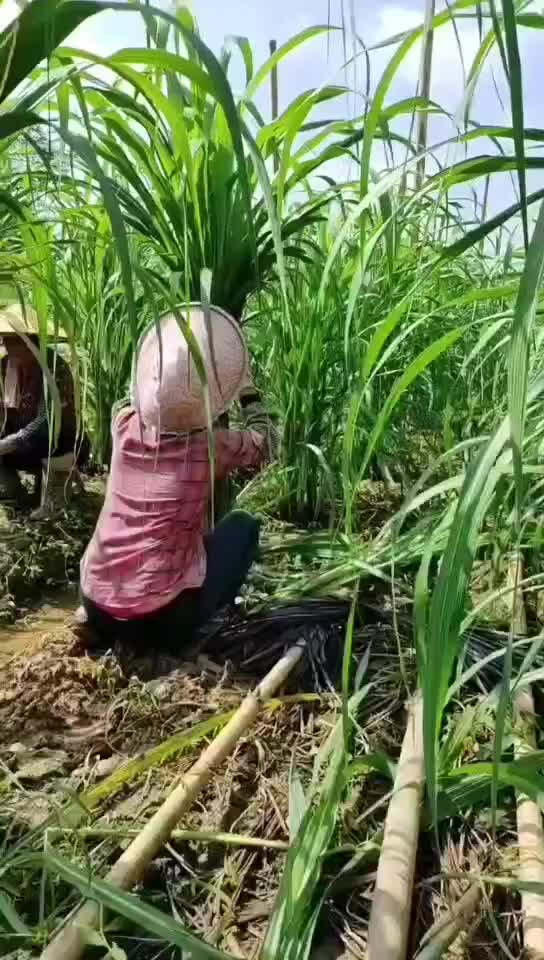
(248, 392)
(9, 444)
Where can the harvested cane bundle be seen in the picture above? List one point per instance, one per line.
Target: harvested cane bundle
(256, 640)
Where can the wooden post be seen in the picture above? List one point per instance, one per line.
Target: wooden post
(424, 88)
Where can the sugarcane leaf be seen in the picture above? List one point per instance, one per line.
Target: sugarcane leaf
(12, 917)
(457, 796)
(130, 906)
(522, 327)
(33, 36)
(163, 60)
(297, 803)
(377, 761)
(447, 603)
(85, 150)
(17, 120)
(518, 375)
(471, 237)
(244, 46)
(284, 50)
(295, 912)
(414, 370)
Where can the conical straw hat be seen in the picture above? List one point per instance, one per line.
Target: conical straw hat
(166, 387)
(14, 320)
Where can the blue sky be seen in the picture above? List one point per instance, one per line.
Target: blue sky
(321, 60)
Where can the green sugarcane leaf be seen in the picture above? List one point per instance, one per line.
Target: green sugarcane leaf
(33, 36)
(12, 917)
(128, 905)
(244, 46)
(292, 44)
(414, 370)
(17, 120)
(473, 237)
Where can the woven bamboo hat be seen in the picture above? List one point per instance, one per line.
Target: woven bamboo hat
(166, 387)
(14, 320)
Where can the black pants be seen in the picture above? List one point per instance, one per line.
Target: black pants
(231, 548)
(37, 449)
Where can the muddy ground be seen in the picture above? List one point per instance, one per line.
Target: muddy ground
(91, 745)
(74, 725)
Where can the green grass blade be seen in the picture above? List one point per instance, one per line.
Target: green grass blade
(143, 915)
(471, 237)
(522, 329)
(412, 372)
(12, 918)
(447, 604)
(33, 36)
(518, 375)
(286, 48)
(17, 120)
(83, 149)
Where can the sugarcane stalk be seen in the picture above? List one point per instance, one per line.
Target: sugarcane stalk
(528, 815)
(515, 593)
(391, 904)
(448, 927)
(530, 837)
(71, 940)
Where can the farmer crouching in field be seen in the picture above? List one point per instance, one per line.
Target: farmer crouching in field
(26, 441)
(152, 572)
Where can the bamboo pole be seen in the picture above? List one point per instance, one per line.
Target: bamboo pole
(528, 815)
(71, 940)
(391, 904)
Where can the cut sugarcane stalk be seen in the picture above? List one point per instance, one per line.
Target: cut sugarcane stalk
(443, 933)
(391, 904)
(530, 837)
(72, 939)
(517, 603)
(528, 815)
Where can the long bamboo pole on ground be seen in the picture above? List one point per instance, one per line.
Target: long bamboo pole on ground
(391, 904)
(528, 815)
(71, 940)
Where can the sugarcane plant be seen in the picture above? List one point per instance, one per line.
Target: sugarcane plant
(176, 178)
(187, 161)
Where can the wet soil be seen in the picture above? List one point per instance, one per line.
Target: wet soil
(39, 619)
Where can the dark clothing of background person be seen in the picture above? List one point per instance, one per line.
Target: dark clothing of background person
(25, 436)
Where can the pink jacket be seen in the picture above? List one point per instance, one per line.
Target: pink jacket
(148, 543)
